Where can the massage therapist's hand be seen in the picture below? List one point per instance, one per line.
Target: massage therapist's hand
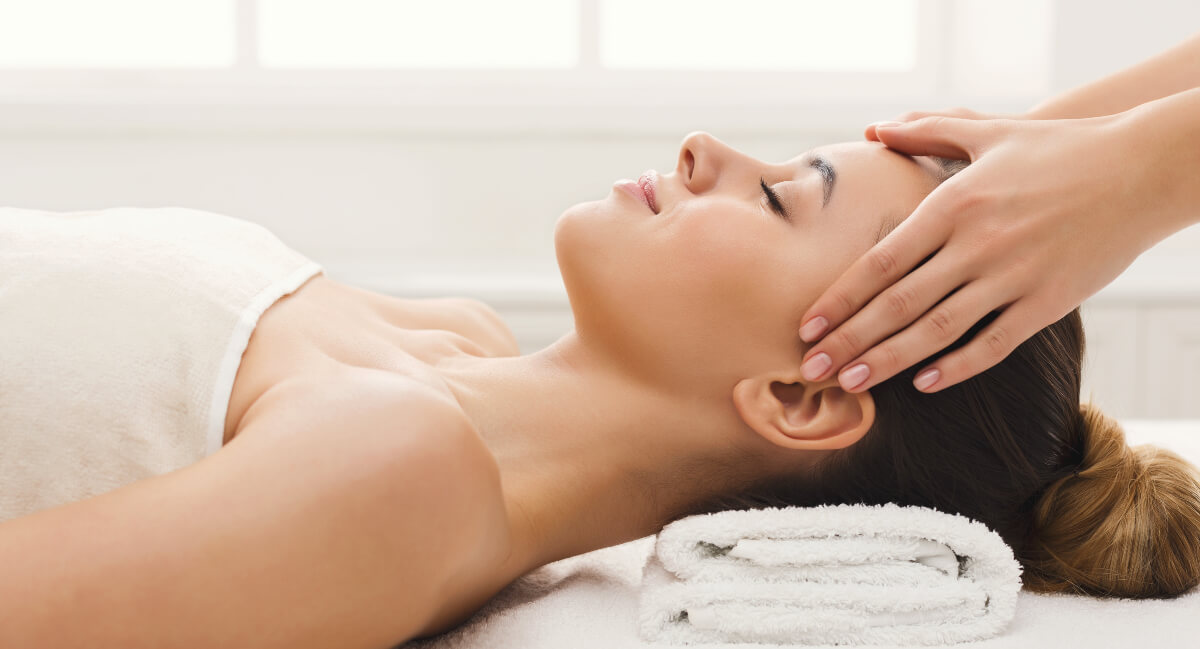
(1047, 214)
(960, 112)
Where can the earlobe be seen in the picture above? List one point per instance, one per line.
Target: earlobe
(794, 414)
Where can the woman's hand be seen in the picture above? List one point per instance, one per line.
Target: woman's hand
(959, 112)
(1047, 214)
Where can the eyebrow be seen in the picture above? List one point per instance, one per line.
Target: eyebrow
(828, 175)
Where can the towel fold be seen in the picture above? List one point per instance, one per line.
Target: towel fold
(840, 574)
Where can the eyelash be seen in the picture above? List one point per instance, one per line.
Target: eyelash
(773, 199)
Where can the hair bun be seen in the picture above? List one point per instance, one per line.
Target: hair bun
(1105, 453)
(1127, 524)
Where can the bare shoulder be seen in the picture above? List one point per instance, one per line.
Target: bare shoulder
(351, 506)
(442, 479)
(391, 417)
(407, 426)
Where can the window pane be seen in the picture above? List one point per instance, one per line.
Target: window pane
(760, 34)
(419, 33)
(116, 33)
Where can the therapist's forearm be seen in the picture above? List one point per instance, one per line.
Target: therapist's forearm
(1175, 70)
(1160, 143)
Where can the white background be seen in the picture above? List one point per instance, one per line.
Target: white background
(363, 169)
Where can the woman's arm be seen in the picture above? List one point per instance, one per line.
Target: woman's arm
(335, 525)
(1165, 74)
(1165, 133)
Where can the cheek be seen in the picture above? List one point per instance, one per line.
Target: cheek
(599, 243)
(724, 267)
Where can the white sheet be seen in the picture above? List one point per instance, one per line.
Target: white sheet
(590, 601)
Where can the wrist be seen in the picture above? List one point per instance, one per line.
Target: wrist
(1162, 138)
(1055, 109)
(1063, 107)
(1039, 112)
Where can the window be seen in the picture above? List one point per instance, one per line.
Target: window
(758, 34)
(418, 34)
(116, 33)
(563, 35)
(632, 34)
(625, 63)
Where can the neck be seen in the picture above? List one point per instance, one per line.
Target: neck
(590, 457)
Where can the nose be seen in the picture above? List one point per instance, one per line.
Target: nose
(702, 160)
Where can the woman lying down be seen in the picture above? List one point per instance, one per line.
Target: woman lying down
(383, 466)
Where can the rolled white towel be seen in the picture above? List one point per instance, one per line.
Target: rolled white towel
(838, 574)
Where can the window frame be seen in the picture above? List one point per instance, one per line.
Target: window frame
(585, 97)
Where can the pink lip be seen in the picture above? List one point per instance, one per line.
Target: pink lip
(642, 189)
(649, 184)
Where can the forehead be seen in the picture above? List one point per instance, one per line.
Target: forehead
(870, 156)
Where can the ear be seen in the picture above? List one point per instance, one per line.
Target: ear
(791, 412)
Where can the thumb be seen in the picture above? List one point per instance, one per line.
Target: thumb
(946, 137)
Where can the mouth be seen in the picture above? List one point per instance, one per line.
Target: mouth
(649, 184)
(642, 189)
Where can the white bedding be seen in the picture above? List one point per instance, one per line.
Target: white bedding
(590, 601)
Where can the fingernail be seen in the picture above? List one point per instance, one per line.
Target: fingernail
(879, 125)
(927, 378)
(814, 366)
(813, 328)
(852, 377)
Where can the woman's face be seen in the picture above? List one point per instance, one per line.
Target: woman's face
(712, 287)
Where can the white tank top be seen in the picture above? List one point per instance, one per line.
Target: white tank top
(121, 332)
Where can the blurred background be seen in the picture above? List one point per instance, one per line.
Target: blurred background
(425, 149)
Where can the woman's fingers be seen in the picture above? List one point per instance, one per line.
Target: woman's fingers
(992, 344)
(925, 231)
(912, 115)
(869, 132)
(889, 260)
(947, 137)
(892, 311)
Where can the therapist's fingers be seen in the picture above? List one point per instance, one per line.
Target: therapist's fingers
(1016, 323)
(923, 291)
(959, 112)
(946, 137)
(899, 252)
(935, 330)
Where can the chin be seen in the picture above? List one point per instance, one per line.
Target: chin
(592, 244)
(578, 247)
(602, 268)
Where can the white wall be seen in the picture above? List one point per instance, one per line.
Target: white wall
(410, 210)
(1095, 37)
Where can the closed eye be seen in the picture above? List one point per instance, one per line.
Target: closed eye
(773, 199)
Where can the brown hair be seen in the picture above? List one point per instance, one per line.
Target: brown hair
(1013, 447)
